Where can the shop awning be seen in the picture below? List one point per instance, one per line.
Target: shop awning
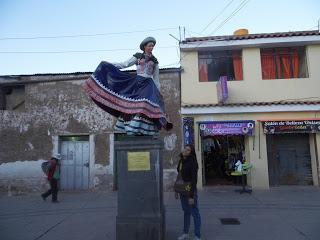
(241, 127)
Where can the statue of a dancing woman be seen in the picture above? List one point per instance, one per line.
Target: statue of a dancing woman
(135, 100)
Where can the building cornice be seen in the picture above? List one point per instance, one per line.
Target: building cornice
(250, 109)
(250, 43)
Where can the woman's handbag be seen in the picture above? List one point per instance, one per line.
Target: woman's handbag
(182, 187)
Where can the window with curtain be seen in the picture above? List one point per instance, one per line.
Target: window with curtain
(283, 63)
(214, 64)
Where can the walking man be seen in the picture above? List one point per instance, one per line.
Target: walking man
(53, 178)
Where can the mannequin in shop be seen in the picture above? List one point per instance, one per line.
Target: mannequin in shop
(238, 166)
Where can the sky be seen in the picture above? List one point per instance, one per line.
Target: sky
(65, 36)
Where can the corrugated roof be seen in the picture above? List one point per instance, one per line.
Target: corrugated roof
(251, 104)
(253, 36)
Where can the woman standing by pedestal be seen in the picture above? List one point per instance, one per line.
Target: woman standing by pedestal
(188, 168)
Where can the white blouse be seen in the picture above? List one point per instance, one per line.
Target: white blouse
(145, 68)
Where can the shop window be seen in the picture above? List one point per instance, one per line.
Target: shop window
(214, 64)
(283, 63)
(12, 98)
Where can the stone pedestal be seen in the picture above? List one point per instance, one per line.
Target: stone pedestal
(141, 213)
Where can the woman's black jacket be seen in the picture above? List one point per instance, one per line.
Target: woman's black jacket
(189, 172)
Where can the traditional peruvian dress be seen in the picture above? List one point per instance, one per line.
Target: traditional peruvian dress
(135, 100)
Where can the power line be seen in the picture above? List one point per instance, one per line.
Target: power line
(85, 35)
(216, 16)
(228, 4)
(168, 65)
(201, 33)
(313, 28)
(241, 5)
(238, 8)
(189, 32)
(76, 51)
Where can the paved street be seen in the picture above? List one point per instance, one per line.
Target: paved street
(281, 213)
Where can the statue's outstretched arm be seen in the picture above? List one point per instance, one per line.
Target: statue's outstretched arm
(130, 62)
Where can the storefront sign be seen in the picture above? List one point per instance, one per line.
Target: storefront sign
(227, 128)
(291, 126)
(222, 89)
(188, 131)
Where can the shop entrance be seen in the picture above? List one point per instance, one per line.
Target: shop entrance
(220, 154)
(289, 160)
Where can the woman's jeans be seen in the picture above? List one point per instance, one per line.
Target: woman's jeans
(188, 211)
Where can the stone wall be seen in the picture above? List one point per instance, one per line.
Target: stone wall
(55, 105)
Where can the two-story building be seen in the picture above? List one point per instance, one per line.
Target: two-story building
(255, 98)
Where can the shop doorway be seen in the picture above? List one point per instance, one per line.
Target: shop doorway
(289, 159)
(220, 154)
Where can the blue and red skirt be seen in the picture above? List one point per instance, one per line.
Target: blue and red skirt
(134, 100)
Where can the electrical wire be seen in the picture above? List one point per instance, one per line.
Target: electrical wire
(84, 35)
(313, 28)
(75, 51)
(201, 33)
(238, 8)
(241, 5)
(205, 28)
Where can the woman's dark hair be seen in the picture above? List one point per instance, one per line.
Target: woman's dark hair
(193, 153)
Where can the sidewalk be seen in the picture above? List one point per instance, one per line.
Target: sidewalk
(280, 213)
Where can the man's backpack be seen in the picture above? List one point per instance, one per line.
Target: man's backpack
(45, 166)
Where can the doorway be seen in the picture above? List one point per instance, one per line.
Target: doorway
(289, 159)
(220, 154)
(75, 151)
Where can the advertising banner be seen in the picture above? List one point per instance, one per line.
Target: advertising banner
(291, 126)
(227, 128)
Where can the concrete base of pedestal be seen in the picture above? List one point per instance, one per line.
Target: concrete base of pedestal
(141, 214)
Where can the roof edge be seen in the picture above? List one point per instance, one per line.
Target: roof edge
(252, 36)
(315, 102)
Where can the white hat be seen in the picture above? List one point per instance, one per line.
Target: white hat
(56, 156)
